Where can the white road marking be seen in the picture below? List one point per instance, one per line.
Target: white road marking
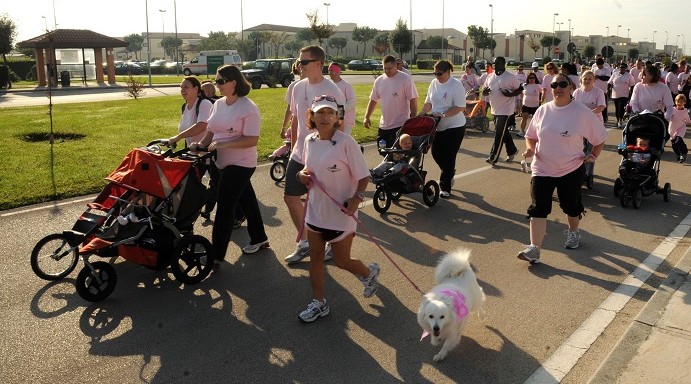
(554, 369)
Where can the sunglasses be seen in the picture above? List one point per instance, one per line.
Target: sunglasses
(306, 61)
(222, 81)
(324, 97)
(560, 84)
(438, 74)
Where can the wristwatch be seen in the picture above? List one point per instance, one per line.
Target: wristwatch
(359, 195)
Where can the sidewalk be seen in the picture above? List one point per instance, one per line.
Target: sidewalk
(657, 346)
(90, 84)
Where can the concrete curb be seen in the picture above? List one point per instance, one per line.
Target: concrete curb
(628, 346)
(82, 87)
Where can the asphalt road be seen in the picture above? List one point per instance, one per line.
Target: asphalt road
(558, 319)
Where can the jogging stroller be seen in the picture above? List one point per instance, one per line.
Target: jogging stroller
(476, 115)
(396, 177)
(145, 214)
(639, 168)
(280, 162)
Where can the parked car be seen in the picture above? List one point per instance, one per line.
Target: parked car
(126, 68)
(365, 65)
(158, 63)
(270, 71)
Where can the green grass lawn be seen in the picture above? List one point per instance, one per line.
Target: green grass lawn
(94, 137)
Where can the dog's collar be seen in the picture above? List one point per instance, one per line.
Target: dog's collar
(458, 304)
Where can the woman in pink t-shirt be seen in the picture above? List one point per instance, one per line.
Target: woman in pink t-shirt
(233, 132)
(652, 95)
(531, 100)
(555, 139)
(335, 168)
(550, 71)
(589, 95)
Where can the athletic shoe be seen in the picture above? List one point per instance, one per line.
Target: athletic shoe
(328, 253)
(237, 223)
(509, 158)
(371, 284)
(490, 161)
(300, 253)
(530, 254)
(572, 239)
(444, 194)
(314, 310)
(254, 248)
(520, 134)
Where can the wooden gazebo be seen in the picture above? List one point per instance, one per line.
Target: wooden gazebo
(47, 43)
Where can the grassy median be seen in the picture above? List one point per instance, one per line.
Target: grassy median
(92, 138)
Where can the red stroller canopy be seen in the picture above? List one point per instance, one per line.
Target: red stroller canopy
(150, 173)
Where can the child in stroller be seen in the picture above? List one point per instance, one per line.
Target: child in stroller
(642, 145)
(402, 171)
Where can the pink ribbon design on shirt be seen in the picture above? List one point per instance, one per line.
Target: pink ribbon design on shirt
(458, 304)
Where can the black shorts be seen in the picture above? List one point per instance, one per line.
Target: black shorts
(293, 186)
(327, 234)
(529, 110)
(568, 190)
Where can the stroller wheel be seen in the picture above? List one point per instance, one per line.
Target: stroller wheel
(96, 284)
(381, 200)
(192, 259)
(625, 198)
(395, 195)
(278, 171)
(430, 193)
(484, 126)
(666, 192)
(618, 186)
(53, 257)
(636, 198)
(589, 181)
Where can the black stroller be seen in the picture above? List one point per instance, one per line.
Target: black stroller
(145, 214)
(396, 177)
(639, 168)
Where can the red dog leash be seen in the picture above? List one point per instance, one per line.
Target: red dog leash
(314, 181)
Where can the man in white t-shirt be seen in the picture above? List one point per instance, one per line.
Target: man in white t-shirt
(314, 84)
(502, 87)
(350, 100)
(396, 93)
(401, 67)
(602, 75)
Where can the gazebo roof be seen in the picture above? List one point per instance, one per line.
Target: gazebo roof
(72, 38)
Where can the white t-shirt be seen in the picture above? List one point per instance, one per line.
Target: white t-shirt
(189, 118)
(231, 122)
(672, 81)
(604, 71)
(393, 95)
(592, 99)
(531, 95)
(302, 97)
(546, 89)
(338, 165)
(621, 84)
(652, 97)
(470, 82)
(443, 96)
(559, 132)
(636, 73)
(502, 105)
(350, 104)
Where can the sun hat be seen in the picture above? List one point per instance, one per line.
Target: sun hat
(534, 64)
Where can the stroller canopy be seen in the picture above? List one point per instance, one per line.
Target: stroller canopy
(648, 125)
(150, 173)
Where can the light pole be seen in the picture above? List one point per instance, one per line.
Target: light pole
(163, 21)
(45, 20)
(442, 29)
(616, 40)
(559, 30)
(567, 47)
(664, 48)
(554, 21)
(148, 41)
(327, 23)
(606, 36)
(491, 25)
(627, 33)
(177, 52)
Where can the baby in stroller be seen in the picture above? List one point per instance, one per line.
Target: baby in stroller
(395, 162)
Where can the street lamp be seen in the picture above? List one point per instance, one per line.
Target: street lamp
(664, 48)
(606, 50)
(148, 40)
(327, 23)
(45, 21)
(177, 48)
(163, 21)
(616, 39)
(442, 28)
(559, 29)
(491, 25)
(554, 21)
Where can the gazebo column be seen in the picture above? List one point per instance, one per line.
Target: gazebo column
(41, 67)
(110, 59)
(98, 55)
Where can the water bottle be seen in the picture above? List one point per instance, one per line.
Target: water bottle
(382, 143)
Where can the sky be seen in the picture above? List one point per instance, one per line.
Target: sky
(588, 17)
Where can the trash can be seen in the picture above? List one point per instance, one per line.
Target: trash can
(4, 77)
(65, 78)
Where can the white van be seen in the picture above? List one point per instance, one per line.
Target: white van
(207, 62)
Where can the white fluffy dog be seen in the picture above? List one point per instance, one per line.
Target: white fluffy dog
(445, 309)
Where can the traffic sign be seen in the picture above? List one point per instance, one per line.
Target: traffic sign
(571, 47)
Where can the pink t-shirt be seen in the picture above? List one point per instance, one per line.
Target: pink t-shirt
(231, 122)
(444, 96)
(592, 99)
(302, 97)
(604, 71)
(546, 81)
(338, 164)
(502, 105)
(350, 104)
(677, 124)
(636, 73)
(470, 82)
(189, 118)
(531, 95)
(393, 95)
(672, 81)
(621, 84)
(652, 97)
(559, 132)
(522, 77)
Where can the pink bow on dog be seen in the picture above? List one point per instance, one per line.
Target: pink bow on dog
(458, 304)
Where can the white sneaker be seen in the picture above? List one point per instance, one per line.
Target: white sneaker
(573, 239)
(371, 284)
(253, 248)
(328, 253)
(530, 254)
(302, 251)
(314, 310)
